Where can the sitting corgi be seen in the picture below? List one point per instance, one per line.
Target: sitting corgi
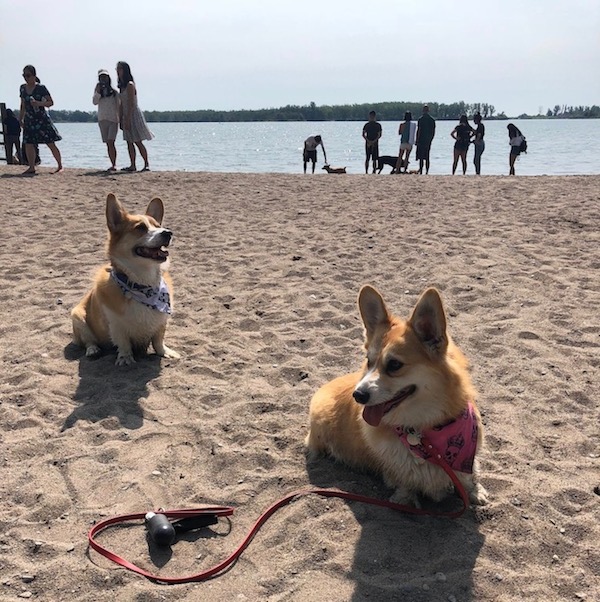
(414, 383)
(130, 301)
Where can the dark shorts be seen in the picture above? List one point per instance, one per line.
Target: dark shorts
(372, 151)
(423, 149)
(461, 146)
(310, 155)
(515, 150)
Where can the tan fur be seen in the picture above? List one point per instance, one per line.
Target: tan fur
(105, 317)
(329, 169)
(429, 361)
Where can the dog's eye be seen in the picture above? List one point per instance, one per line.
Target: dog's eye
(393, 365)
(141, 227)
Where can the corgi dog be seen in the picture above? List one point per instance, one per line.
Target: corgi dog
(414, 383)
(130, 300)
(330, 169)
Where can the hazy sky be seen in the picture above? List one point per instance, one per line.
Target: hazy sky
(519, 55)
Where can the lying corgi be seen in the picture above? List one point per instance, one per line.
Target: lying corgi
(414, 383)
(130, 301)
(330, 169)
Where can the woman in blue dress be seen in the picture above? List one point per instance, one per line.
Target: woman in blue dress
(37, 125)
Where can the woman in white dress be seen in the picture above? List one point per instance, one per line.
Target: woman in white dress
(133, 123)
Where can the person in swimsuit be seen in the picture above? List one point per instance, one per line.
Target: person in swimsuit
(515, 139)
(407, 132)
(462, 133)
(478, 143)
(310, 151)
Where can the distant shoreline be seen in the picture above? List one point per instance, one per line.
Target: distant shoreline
(66, 117)
(386, 111)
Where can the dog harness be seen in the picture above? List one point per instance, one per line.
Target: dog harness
(154, 297)
(455, 440)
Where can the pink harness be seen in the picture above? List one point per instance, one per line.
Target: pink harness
(455, 440)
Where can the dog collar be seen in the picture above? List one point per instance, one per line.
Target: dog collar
(154, 297)
(456, 440)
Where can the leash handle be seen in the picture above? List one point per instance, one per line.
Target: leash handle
(220, 511)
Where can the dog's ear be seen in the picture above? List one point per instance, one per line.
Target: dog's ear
(428, 321)
(373, 311)
(156, 209)
(115, 214)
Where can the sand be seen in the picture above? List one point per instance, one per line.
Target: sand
(266, 270)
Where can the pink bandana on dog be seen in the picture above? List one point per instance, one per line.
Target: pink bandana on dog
(456, 440)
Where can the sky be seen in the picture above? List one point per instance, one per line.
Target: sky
(521, 56)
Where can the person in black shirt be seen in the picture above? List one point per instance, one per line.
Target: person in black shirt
(425, 135)
(371, 133)
(12, 136)
(462, 133)
(478, 143)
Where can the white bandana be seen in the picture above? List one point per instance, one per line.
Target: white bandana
(150, 296)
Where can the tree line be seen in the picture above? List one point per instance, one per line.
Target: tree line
(386, 111)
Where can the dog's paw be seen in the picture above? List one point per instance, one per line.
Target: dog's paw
(124, 359)
(92, 351)
(405, 497)
(478, 495)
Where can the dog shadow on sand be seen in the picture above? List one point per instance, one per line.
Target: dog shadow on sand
(106, 390)
(402, 556)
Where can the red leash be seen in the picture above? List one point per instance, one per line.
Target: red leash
(228, 511)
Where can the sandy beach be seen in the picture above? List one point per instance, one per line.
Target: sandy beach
(266, 270)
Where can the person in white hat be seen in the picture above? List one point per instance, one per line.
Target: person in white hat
(107, 100)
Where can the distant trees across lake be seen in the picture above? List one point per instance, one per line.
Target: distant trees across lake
(386, 111)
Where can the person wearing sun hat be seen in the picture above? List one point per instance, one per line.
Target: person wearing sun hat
(106, 98)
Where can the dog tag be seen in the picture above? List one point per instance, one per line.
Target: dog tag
(413, 439)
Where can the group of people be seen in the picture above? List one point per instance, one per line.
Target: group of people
(120, 109)
(116, 109)
(422, 134)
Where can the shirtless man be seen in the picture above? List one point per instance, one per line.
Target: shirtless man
(310, 151)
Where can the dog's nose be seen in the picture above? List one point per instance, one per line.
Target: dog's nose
(167, 234)
(361, 396)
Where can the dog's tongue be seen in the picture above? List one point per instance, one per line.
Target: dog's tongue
(373, 414)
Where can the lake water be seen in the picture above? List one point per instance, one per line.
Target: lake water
(556, 147)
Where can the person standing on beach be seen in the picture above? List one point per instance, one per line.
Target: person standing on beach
(371, 133)
(12, 137)
(37, 125)
(310, 151)
(478, 143)
(425, 136)
(106, 98)
(462, 133)
(515, 139)
(407, 133)
(131, 118)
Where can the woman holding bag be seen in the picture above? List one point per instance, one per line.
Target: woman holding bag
(515, 139)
